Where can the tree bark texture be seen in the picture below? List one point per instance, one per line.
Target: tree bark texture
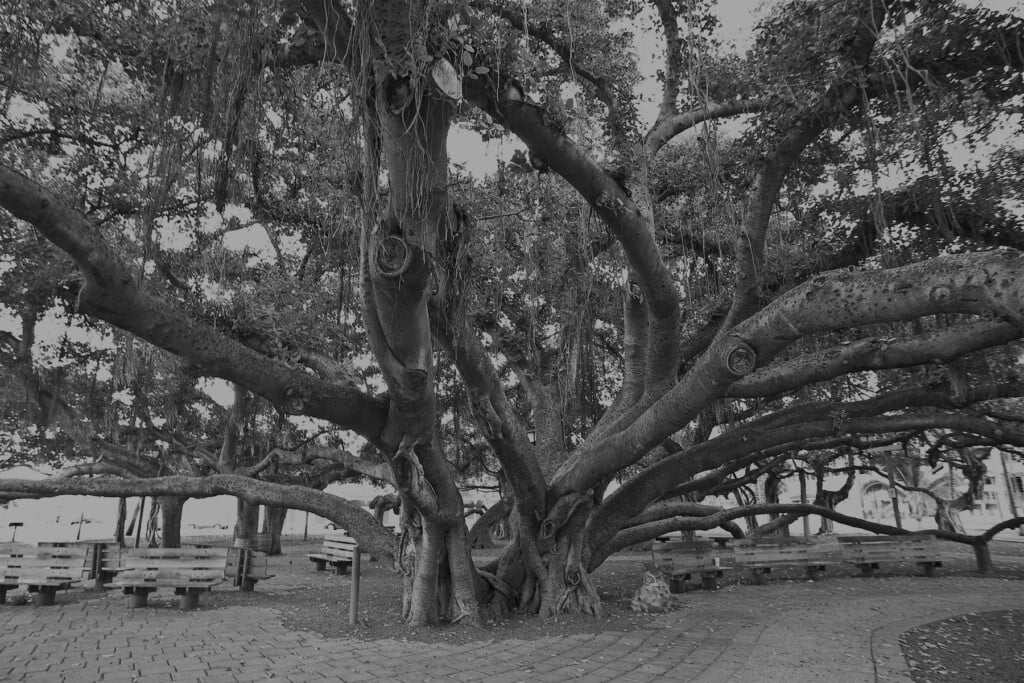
(170, 521)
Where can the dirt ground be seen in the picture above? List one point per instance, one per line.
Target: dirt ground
(973, 647)
(319, 601)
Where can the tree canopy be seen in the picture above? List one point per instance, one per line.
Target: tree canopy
(787, 255)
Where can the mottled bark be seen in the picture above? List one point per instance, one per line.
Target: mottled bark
(170, 521)
(273, 524)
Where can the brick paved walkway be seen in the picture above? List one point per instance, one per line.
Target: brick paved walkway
(838, 630)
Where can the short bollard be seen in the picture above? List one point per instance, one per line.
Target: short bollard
(353, 605)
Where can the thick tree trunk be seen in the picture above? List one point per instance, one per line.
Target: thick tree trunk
(544, 574)
(273, 524)
(170, 519)
(247, 523)
(983, 557)
(122, 516)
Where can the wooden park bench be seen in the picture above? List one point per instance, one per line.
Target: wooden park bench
(761, 555)
(43, 570)
(189, 571)
(336, 550)
(867, 552)
(102, 558)
(246, 566)
(679, 560)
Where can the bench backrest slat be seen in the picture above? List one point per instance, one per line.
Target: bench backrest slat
(338, 544)
(753, 551)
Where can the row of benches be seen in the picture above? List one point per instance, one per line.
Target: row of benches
(189, 571)
(680, 560)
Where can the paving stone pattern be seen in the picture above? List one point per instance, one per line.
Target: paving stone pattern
(839, 630)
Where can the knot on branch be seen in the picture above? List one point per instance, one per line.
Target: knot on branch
(741, 359)
(605, 201)
(293, 401)
(940, 293)
(573, 575)
(392, 256)
(635, 292)
(407, 467)
(561, 512)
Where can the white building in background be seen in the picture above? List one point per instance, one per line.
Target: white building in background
(871, 498)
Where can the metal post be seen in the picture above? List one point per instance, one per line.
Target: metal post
(305, 529)
(353, 605)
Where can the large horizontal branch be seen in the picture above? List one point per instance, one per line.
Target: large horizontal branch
(359, 523)
(112, 293)
(377, 471)
(986, 283)
(677, 508)
(900, 399)
(939, 346)
(639, 534)
(630, 500)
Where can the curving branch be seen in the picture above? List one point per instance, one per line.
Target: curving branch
(874, 353)
(515, 18)
(638, 534)
(494, 417)
(112, 293)
(856, 419)
(377, 471)
(359, 523)
(987, 283)
(841, 96)
(671, 125)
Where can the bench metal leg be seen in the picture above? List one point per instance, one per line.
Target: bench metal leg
(814, 573)
(3, 592)
(759, 576)
(709, 582)
(867, 569)
(677, 584)
(189, 599)
(320, 565)
(247, 585)
(928, 568)
(341, 569)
